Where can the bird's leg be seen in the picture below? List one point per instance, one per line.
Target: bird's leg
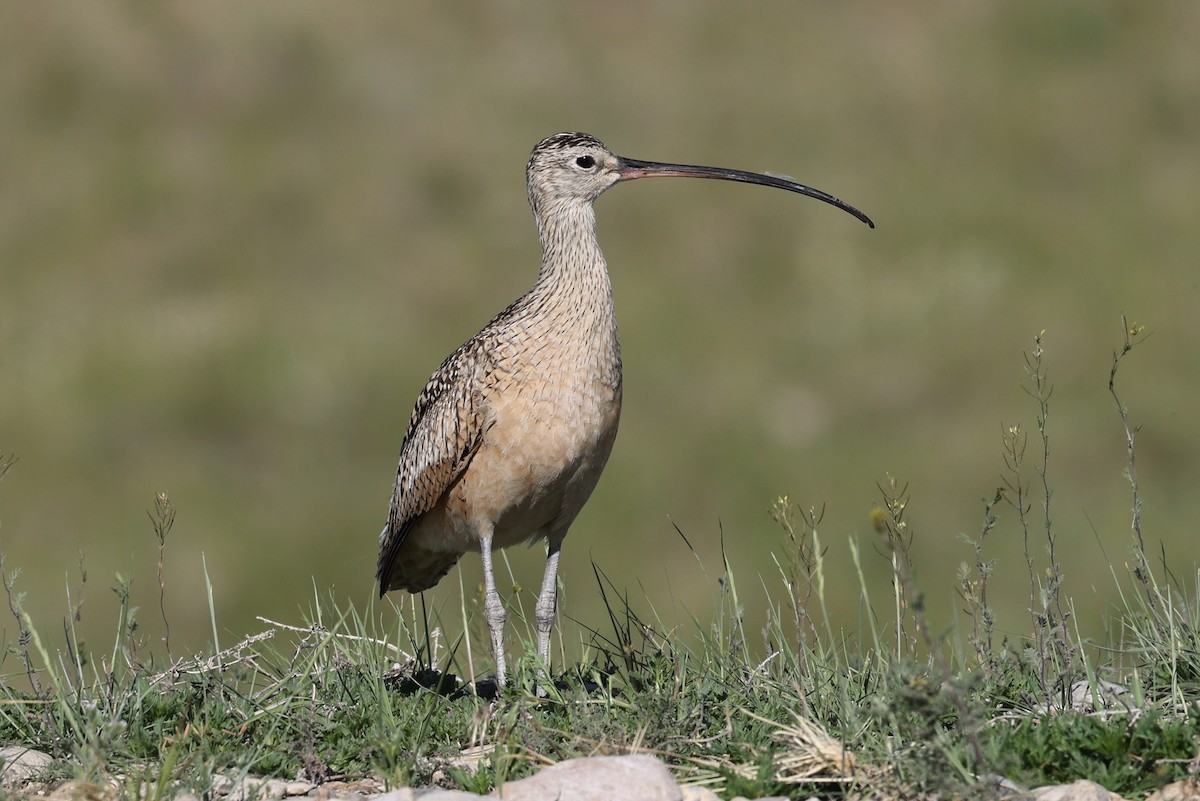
(493, 608)
(545, 608)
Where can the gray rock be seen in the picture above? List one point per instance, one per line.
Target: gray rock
(1084, 695)
(355, 790)
(1187, 790)
(692, 792)
(78, 790)
(630, 778)
(433, 794)
(19, 764)
(253, 787)
(469, 759)
(1082, 790)
(1004, 787)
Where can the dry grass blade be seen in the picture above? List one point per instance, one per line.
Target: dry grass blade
(811, 754)
(218, 662)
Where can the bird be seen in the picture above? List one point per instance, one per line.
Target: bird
(510, 434)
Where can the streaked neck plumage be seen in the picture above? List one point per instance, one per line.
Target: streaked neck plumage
(572, 262)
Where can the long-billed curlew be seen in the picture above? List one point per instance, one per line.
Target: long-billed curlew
(509, 437)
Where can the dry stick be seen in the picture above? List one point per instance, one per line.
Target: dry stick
(974, 594)
(1015, 440)
(162, 519)
(216, 662)
(1142, 570)
(23, 633)
(349, 637)
(1056, 616)
(1063, 636)
(14, 601)
(1046, 609)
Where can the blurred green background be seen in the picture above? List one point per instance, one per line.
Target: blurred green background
(236, 238)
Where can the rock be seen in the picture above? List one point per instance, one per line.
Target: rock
(1084, 695)
(354, 790)
(692, 792)
(1000, 786)
(296, 787)
(19, 764)
(709, 795)
(77, 790)
(630, 778)
(254, 787)
(469, 759)
(1082, 790)
(1187, 790)
(435, 794)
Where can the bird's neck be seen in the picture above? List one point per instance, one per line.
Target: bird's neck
(573, 268)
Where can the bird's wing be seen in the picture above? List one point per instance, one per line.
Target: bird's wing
(445, 431)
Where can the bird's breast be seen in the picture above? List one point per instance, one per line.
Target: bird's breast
(551, 413)
(557, 403)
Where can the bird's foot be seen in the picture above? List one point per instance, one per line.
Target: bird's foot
(488, 689)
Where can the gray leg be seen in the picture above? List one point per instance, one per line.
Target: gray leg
(493, 609)
(546, 601)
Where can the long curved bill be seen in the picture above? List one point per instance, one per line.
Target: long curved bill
(632, 169)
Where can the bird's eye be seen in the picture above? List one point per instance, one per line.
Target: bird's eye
(586, 162)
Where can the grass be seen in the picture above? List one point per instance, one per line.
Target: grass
(795, 705)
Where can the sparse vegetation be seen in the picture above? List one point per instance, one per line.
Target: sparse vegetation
(798, 707)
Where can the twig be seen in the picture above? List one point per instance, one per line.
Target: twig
(216, 662)
(350, 637)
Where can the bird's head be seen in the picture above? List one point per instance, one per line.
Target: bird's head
(570, 167)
